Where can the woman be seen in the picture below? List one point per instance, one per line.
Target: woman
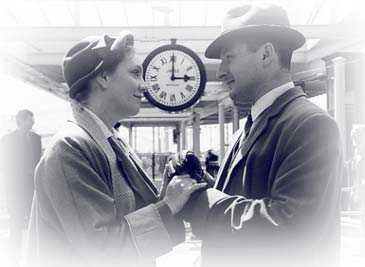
(94, 205)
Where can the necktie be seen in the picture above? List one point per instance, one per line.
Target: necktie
(248, 125)
(135, 175)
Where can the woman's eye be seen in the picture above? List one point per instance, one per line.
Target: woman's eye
(136, 72)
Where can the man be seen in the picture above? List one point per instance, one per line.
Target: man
(276, 198)
(94, 205)
(20, 152)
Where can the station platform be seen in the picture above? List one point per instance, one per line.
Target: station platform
(187, 254)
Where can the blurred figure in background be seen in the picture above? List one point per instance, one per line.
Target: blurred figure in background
(20, 152)
(358, 172)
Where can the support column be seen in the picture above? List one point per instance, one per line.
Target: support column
(221, 131)
(196, 134)
(166, 140)
(158, 139)
(183, 134)
(178, 137)
(360, 94)
(130, 135)
(134, 138)
(153, 140)
(339, 96)
(235, 118)
(153, 152)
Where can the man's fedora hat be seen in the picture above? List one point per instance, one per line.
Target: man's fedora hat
(91, 56)
(252, 21)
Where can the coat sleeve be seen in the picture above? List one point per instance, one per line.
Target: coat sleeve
(73, 199)
(304, 191)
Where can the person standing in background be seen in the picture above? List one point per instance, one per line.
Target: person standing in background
(358, 172)
(20, 152)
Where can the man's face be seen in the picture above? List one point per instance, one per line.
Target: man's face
(26, 123)
(239, 69)
(127, 86)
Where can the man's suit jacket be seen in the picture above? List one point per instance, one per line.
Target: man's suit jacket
(19, 155)
(74, 218)
(278, 204)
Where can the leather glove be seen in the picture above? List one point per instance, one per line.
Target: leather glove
(185, 162)
(182, 163)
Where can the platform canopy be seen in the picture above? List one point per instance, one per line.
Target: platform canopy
(35, 34)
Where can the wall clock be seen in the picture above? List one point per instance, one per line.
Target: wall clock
(175, 76)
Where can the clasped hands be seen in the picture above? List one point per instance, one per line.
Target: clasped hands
(182, 176)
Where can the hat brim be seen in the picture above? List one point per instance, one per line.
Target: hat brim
(292, 39)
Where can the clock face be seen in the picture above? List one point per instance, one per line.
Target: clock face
(175, 77)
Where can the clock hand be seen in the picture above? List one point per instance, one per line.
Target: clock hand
(185, 78)
(173, 67)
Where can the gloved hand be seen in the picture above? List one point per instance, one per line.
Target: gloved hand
(185, 162)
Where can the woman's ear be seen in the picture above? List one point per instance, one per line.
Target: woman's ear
(102, 79)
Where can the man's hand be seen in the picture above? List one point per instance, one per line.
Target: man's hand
(210, 180)
(179, 190)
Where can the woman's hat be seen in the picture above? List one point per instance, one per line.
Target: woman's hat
(91, 56)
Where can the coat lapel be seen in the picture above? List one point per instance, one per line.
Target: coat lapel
(261, 124)
(83, 119)
(226, 160)
(124, 197)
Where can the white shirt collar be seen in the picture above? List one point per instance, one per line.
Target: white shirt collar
(266, 100)
(108, 133)
(100, 123)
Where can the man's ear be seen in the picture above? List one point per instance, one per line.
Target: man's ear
(102, 79)
(267, 53)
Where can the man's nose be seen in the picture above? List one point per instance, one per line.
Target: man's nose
(222, 72)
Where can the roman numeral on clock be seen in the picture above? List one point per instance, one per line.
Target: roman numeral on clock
(155, 87)
(163, 61)
(153, 78)
(172, 98)
(189, 88)
(163, 95)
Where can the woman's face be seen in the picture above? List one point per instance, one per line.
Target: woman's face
(127, 86)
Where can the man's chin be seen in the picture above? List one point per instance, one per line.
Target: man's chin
(240, 98)
(235, 96)
(232, 95)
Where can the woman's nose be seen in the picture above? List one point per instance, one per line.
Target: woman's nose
(143, 87)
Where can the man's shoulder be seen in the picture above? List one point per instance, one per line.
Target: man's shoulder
(35, 135)
(302, 108)
(8, 135)
(307, 116)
